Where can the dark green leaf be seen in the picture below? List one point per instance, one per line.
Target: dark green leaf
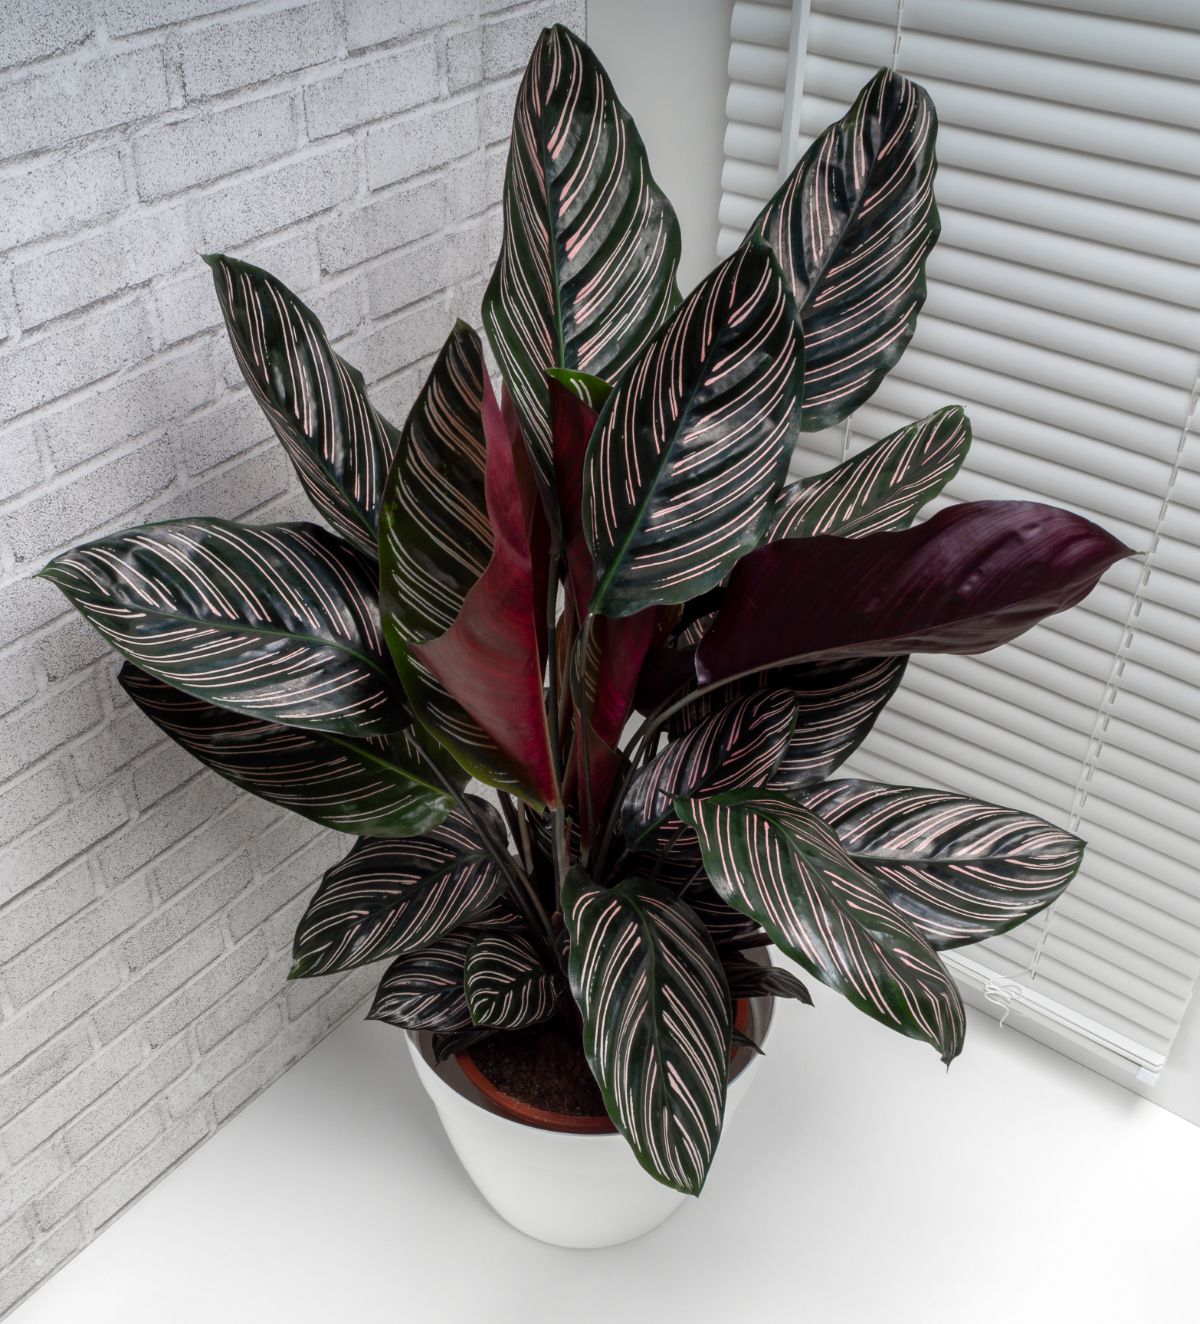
(369, 787)
(691, 448)
(852, 226)
(739, 746)
(390, 897)
(957, 869)
(657, 1021)
(586, 272)
(780, 864)
(881, 487)
(423, 989)
(277, 621)
(314, 400)
(507, 984)
(748, 980)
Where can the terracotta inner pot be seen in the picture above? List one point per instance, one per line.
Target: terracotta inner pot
(508, 1105)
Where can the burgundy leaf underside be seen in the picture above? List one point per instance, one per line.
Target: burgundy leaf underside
(973, 577)
(492, 658)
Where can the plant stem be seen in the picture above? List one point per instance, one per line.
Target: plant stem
(520, 886)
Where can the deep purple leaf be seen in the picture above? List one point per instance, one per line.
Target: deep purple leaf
(973, 577)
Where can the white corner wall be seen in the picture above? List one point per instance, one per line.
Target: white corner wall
(667, 60)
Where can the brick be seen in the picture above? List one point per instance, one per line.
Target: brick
(101, 1164)
(234, 492)
(496, 111)
(172, 157)
(267, 984)
(25, 605)
(230, 427)
(420, 330)
(160, 772)
(371, 22)
(29, 1180)
(171, 819)
(147, 989)
(338, 305)
(43, 726)
(18, 682)
(172, 923)
(41, 1072)
(302, 872)
(24, 1274)
(36, 371)
(277, 197)
(286, 837)
(51, 109)
(39, 909)
(380, 225)
(147, 1167)
(126, 1097)
(421, 141)
(414, 273)
(122, 17)
(33, 29)
(20, 461)
(15, 1236)
(133, 405)
(75, 941)
(117, 743)
(63, 279)
(465, 188)
(508, 41)
(74, 830)
(464, 59)
(261, 1070)
(66, 649)
(182, 1009)
(242, 823)
(54, 1109)
(241, 52)
(52, 196)
(33, 798)
(225, 1058)
(39, 1022)
(66, 515)
(373, 90)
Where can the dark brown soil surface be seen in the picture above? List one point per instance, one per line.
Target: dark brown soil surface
(543, 1066)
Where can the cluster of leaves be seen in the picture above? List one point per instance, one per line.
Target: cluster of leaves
(502, 584)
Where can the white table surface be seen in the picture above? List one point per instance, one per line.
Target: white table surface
(860, 1182)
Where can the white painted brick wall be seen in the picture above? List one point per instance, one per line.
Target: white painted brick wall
(355, 148)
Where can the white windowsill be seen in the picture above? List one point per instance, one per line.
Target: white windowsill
(859, 1183)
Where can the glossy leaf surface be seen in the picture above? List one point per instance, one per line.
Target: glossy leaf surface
(492, 658)
(691, 448)
(957, 869)
(370, 787)
(780, 864)
(277, 621)
(971, 578)
(748, 980)
(657, 1021)
(586, 272)
(881, 487)
(852, 226)
(314, 400)
(459, 591)
(507, 984)
(423, 989)
(390, 897)
(739, 746)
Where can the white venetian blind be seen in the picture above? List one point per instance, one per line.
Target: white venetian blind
(1064, 314)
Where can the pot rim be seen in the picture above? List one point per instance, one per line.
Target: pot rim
(488, 1099)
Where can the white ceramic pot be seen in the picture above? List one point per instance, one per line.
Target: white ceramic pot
(583, 1191)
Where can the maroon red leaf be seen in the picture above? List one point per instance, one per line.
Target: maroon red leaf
(973, 577)
(491, 660)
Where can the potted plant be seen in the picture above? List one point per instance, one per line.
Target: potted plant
(601, 597)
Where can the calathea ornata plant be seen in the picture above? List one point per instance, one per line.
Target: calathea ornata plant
(600, 595)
